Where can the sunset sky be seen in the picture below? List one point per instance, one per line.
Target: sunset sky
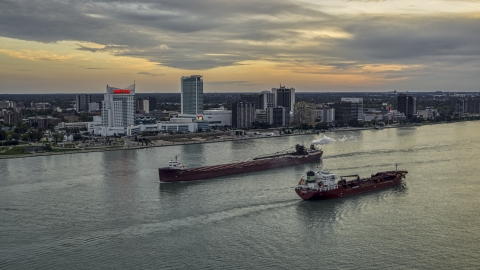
(77, 46)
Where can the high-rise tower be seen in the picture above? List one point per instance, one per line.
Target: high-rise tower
(118, 110)
(192, 95)
(82, 103)
(284, 97)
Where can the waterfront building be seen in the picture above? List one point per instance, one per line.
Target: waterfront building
(218, 117)
(261, 115)
(427, 113)
(304, 113)
(327, 115)
(243, 114)
(177, 125)
(118, 110)
(349, 109)
(278, 117)
(82, 102)
(473, 105)
(407, 105)
(192, 95)
(284, 97)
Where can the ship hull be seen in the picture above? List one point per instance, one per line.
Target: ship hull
(171, 175)
(343, 191)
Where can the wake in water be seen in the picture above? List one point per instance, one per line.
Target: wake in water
(327, 140)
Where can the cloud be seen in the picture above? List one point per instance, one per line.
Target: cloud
(149, 74)
(406, 38)
(297, 36)
(35, 55)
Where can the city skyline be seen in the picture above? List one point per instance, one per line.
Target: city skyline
(327, 46)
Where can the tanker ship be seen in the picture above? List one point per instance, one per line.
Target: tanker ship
(323, 185)
(176, 172)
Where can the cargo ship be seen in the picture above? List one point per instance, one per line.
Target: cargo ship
(323, 185)
(176, 172)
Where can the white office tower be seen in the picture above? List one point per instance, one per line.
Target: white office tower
(118, 110)
(192, 95)
(284, 97)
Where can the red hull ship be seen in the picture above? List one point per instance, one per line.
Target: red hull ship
(175, 172)
(323, 186)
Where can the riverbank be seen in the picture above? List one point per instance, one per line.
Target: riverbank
(172, 141)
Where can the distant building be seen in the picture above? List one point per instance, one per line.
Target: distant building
(44, 122)
(427, 113)
(152, 104)
(118, 110)
(407, 105)
(71, 118)
(192, 95)
(267, 99)
(461, 107)
(304, 113)
(82, 102)
(284, 97)
(7, 104)
(142, 106)
(243, 114)
(10, 116)
(261, 115)
(146, 105)
(349, 109)
(251, 98)
(40, 105)
(327, 115)
(218, 117)
(93, 106)
(278, 117)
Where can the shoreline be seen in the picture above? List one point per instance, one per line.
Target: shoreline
(168, 143)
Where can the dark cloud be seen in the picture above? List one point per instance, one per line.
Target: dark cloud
(196, 35)
(408, 38)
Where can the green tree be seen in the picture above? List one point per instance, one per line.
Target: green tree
(26, 137)
(57, 137)
(77, 137)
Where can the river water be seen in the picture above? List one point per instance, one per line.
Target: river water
(106, 210)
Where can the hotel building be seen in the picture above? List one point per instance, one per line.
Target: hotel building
(118, 110)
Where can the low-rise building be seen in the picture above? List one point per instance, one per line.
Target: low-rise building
(427, 113)
(44, 122)
(218, 117)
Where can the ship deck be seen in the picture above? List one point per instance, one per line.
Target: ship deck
(230, 165)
